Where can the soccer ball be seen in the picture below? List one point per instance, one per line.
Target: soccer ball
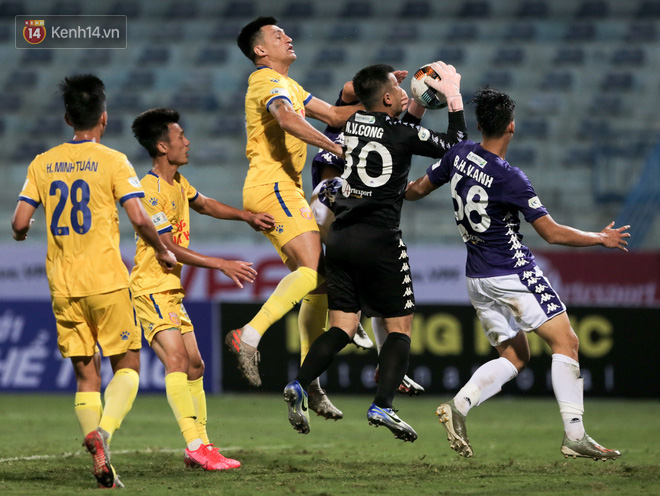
(423, 94)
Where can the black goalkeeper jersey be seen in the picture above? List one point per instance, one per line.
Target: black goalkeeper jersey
(378, 151)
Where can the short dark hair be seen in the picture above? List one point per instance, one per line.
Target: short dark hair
(494, 112)
(84, 100)
(152, 126)
(370, 82)
(248, 36)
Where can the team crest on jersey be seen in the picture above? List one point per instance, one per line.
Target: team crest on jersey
(346, 189)
(535, 202)
(306, 213)
(175, 318)
(153, 201)
(423, 134)
(134, 181)
(279, 228)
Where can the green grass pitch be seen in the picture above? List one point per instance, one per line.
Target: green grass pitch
(516, 444)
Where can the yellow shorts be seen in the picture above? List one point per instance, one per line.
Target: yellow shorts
(161, 311)
(106, 319)
(286, 202)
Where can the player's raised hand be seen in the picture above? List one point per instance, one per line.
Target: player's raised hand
(450, 80)
(237, 271)
(261, 221)
(400, 75)
(614, 238)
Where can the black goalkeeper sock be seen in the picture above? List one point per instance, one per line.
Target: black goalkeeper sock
(321, 354)
(392, 366)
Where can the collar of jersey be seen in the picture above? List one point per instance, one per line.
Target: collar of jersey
(77, 142)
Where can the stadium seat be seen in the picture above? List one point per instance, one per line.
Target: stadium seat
(594, 129)
(182, 10)
(298, 9)
(593, 9)
(212, 55)
(48, 125)
(22, 79)
(24, 152)
(228, 126)
(168, 31)
(128, 101)
(502, 79)
(641, 32)
(580, 32)
(556, 80)
(403, 33)
(451, 55)
(226, 31)
(11, 8)
(356, 9)
(3, 126)
(66, 7)
(331, 55)
(189, 101)
(509, 56)
(533, 9)
(648, 9)
(573, 55)
(416, 9)
(240, 8)
(344, 32)
(392, 55)
(521, 156)
(461, 32)
(605, 105)
(634, 56)
(617, 81)
(129, 8)
(520, 31)
(154, 55)
(6, 32)
(10, 102)
(96, 58)
(115, 125)
(140, 80)
(37, 57)
(536, 128)
(475, 9)
(318, 78)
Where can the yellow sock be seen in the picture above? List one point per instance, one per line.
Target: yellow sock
(119, 397)
(181, 402)
(199, 401)
(88, 410)
(288, 292)
(312, 320)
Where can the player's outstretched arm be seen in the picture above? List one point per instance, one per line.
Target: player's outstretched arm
(558, 234)
(146, 230)
(208, 206)
(22, 220)
(295, 124)
(330, 114)
(419, 188)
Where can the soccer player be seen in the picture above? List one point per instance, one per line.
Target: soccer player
(79, 183)
(159, 296)
(326, 167)
(277, 139)
(507, 289)
(367, 263)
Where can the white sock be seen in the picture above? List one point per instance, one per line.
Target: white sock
(568, 387)
(194, 445)
(485, 383)
(379, 331)
(250, 336)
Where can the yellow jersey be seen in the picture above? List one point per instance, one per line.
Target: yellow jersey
(79, 183)
(167, 205)
(274, 155)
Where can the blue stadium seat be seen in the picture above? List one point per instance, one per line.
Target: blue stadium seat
(10, 102)
(187, 101)
(475, 9)
(345, 32)
(240, 8)
(593, 9)
(630, 56)
(228, 126)
(37, 57)
(463, 32)
(557, 80)
(641, 32)
(451, 55)
(22, 79)
(416, 9)
(392, 55)
(3, 126)
(520, 31)
(298, 9)
(403, 32)
(129, 8)
(318, 78)
(67, 7)
(594, 129)
(331, 55)
(115, 125)
(509, 56)
(648, 9)
(154, 55)
(497, 78)
(182, 10)
(573, 55)
(140, 80)
(537, 128)
(580, 32)
(25, 152)
(95, 58)
(533, 9)
(618, 81)
(226, 31)
(356, 9)
(212, 55)
(521, 156)
(48, 125)
(605, 105)
(128, 101)
(11, 8)
(6, 32)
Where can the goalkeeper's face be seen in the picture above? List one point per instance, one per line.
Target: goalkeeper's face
(278, 46)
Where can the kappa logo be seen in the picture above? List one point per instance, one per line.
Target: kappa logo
(408, 292)
(409, 304)
(405, 267)
(404, 255)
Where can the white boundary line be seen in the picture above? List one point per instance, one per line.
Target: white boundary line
(164, 450)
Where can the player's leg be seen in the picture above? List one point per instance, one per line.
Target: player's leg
(567, 384)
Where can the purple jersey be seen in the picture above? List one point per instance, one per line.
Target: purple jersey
(488, 194)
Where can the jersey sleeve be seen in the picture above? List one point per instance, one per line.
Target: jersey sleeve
(126, 184)
(439, 173)
(267, 89)
(522, 196)
(157, 207)
(429, 143)
(190, 191)
(30, 191)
